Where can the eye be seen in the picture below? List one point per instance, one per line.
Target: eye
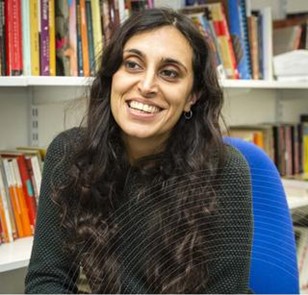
(132, 65)
(169, 74)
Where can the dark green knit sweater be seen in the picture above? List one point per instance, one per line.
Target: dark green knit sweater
(52, 270)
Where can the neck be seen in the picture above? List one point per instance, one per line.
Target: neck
(137, 148)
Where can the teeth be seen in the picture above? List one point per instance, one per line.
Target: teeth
(143, 107)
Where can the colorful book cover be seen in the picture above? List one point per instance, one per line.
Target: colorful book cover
(52, 38)
(79, 41)
(34, 37)
(15, 38)
(84, 39)
(63, 54)
(92, 65)
(2, 39)
(97, 31)
(224, 39)
(44, 40)
(6, 214)
(238, 31)
(73, 38)
(26, 40)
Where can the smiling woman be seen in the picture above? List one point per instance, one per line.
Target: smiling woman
(152, 88)
(146, 197)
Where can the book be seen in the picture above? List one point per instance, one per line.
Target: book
(267, 43)
(34, 37)
(79, 42)
(84, 39)
(73, 38)
(26, 37)
(44, 38)
(6, 212)
(286, 39)
(254, 49)
(97, 30)
(92, 66)
(24, 178)
(224, 39)
(239, 35)
(289, 64)
(52, 38)
(63, 54)
(14, 197)
(205, 26)
(13, 35)
(2, 39)
(304, 127)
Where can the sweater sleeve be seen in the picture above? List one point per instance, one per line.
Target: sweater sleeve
(51, 270)
(231, 242)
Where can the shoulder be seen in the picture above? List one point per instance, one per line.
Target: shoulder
(61, 150)
(235, 160)
(65, 143)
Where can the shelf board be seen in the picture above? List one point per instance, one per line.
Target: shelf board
(16, 254)
(25, 81)
(297, 192)
(262, 84)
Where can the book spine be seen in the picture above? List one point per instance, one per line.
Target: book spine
(73, 38)
(25, 5)
(5, 218)
(8, 36)
(27, 190)
(2, 39)
(9, 216)
(224, 39)
(90, 38)
(84, 39)
(34, 34)
(36, 172)
(44, 41)
(97, 31)
(21, 199)
(107, 25)
(267, 48)
(13, 197)
(305, 147)
(17, 64)
(52, 38)
(253, 41)
(79, 41)
(31, 174)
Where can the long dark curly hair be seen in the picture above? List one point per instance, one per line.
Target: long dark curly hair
(173, 190)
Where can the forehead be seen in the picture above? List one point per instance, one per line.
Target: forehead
(163, 42)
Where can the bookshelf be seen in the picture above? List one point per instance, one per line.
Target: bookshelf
(33, 109)
(15, 255)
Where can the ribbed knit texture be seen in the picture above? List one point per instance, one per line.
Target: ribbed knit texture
(52, 270)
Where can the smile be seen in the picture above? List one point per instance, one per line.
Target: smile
(136, 105)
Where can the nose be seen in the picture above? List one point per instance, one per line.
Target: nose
(147, 85)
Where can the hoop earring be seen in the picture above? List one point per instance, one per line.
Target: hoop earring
(188, 115)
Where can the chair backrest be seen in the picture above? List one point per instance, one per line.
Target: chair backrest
(274, 264)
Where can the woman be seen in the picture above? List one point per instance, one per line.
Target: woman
(146, 198)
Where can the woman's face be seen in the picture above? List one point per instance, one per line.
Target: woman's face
(153, 86)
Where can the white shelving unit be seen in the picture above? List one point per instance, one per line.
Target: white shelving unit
(15, 255)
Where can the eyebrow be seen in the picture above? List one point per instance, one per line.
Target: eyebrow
(165, 60)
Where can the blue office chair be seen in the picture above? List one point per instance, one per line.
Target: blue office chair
(274, 265)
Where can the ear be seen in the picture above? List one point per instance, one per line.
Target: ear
(192, 99)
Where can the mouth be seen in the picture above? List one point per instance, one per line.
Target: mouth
(142, 107)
